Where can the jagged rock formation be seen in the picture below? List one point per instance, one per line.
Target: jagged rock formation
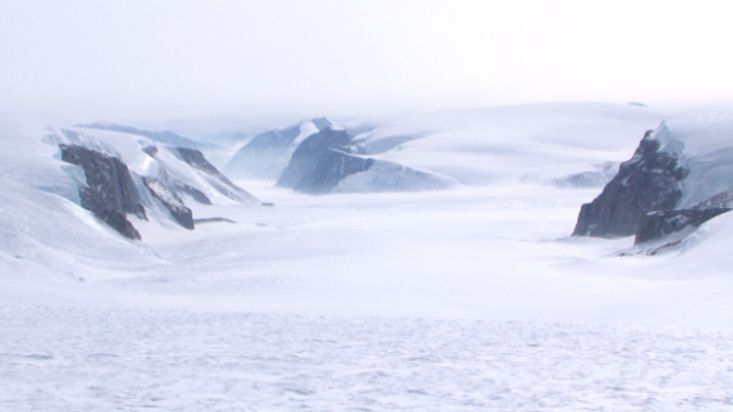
(171, 201)
(649, 181)
(110, 192)
(644, 198)
(658, 224)
(309, 154)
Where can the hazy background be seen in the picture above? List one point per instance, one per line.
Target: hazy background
(146, 59)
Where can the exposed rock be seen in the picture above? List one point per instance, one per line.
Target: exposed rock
(649, 181)
(225, 186)
(171, 201)
(196, 159)
(309, 154)
(110, 192)
(150, 150)
(213, 220)
(333, 166)
(658, 224)
(196, 194)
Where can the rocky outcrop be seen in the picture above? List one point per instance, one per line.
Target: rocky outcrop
(196, 159)
(332, 167)
(110, 192)
(309, 155)
(658, 224)
(649, 181)
(643, 199)
(171, 201)
(196, 194)
(661, 223)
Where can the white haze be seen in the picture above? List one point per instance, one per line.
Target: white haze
(140, 59)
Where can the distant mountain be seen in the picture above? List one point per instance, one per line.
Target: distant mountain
(267, 154)
(565, 144)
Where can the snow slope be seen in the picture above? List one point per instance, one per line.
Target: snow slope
(540, 143)
(703, 141)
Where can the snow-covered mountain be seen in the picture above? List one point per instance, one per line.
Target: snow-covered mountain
(559, 144)
(268, 153)
(127, 181)
(680, 176)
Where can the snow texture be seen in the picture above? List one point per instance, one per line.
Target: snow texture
(703, 141)
(473, 298)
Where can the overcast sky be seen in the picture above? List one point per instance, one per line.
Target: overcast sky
(178, 58)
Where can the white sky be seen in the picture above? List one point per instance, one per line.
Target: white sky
(182, 58)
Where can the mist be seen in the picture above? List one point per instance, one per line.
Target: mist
(145, 60)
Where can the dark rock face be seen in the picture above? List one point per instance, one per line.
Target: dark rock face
(197, 160)
(216, 219)
(196, 194)
(658, 224)
(150, 150)
(171, 201)
(308, 155)
(333, 166)
(649, 181)
(110, 192)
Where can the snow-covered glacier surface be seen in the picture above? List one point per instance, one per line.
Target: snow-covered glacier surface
(125, 359)
(473, 298)
(460, 300)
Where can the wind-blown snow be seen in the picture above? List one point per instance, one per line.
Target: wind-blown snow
(703, 141)
(509, 144)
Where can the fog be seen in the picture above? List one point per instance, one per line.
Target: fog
(147, 59)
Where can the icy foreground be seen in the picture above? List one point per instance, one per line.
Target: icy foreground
(83, 359)
(354, 302)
